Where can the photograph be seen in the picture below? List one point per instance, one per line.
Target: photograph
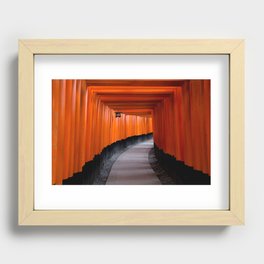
(131, 132)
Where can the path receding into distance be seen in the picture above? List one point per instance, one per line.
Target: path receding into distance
(132, 167)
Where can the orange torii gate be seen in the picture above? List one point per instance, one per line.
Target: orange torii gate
(84, 120)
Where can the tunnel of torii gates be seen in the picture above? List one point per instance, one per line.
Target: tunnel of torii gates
(84, 120)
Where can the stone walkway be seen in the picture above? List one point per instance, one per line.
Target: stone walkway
(132, 167)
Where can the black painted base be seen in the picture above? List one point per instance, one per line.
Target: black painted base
(97, 170)
(179, 172)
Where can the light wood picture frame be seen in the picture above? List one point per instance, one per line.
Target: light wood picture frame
(29, 216)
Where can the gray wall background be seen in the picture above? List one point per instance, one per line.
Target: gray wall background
(132, 19)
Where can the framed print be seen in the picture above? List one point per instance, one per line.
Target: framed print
(131, 132)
